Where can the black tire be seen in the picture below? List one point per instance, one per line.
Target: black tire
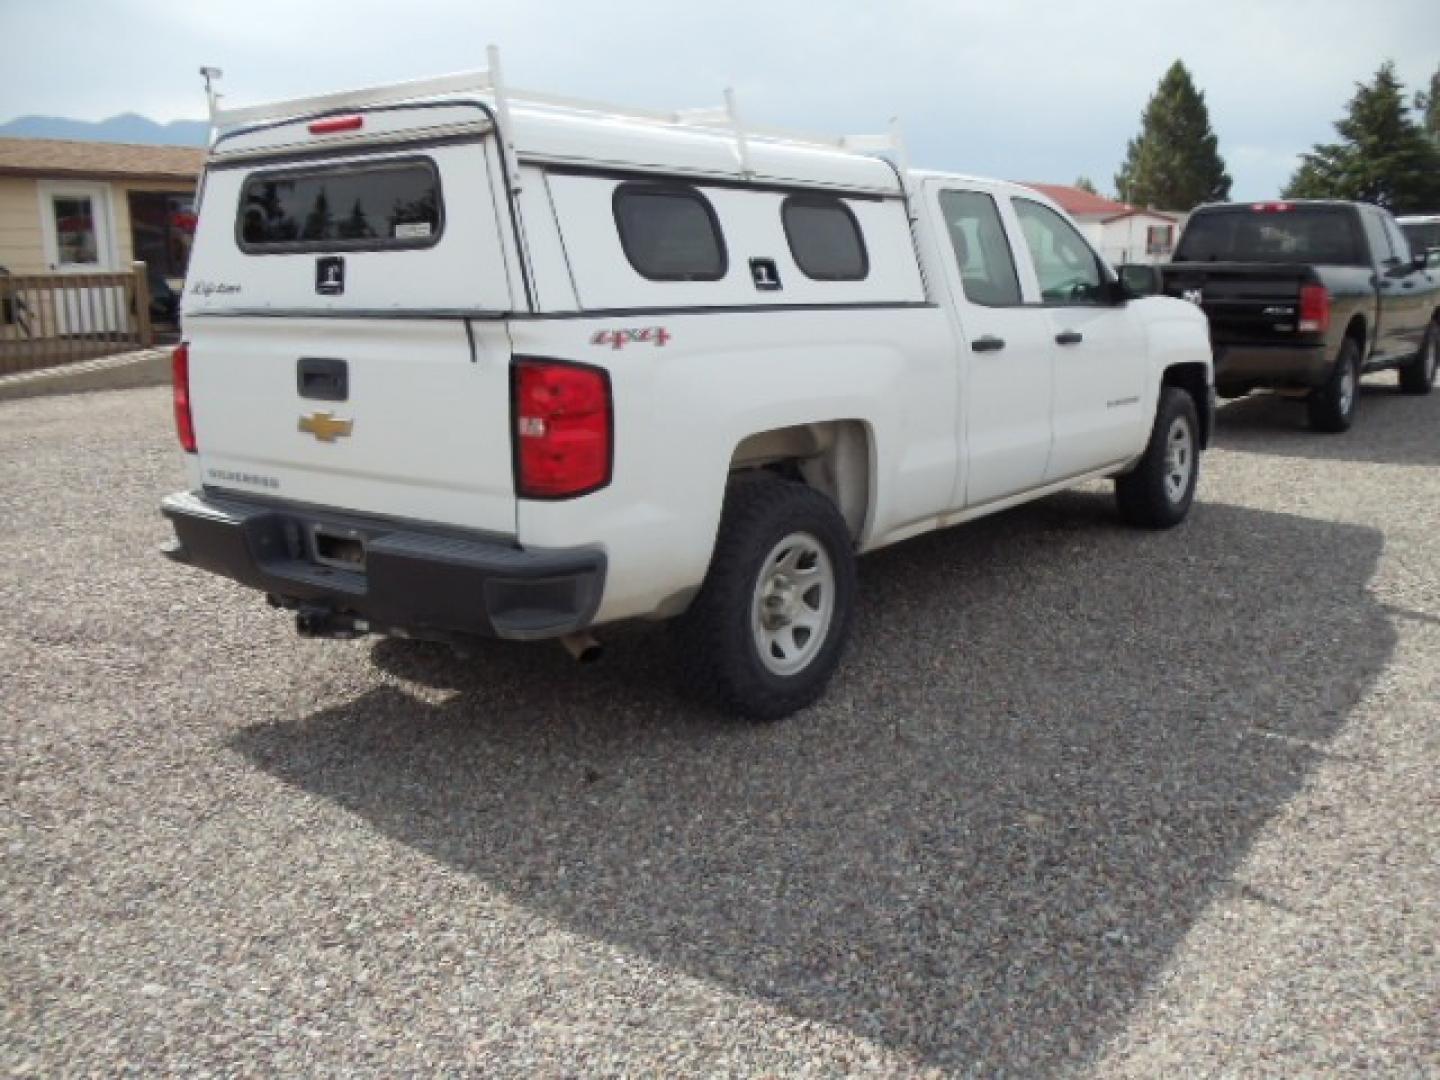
(1150, 496)
(1418, 375)
(720, 632)
(1332, 406)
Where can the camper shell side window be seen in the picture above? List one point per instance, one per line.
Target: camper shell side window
(669, 232)
(350, 206)
(825, 239)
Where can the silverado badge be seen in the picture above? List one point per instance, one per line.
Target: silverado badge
(325, 426)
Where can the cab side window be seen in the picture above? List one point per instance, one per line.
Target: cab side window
(1068, 269)
(1380, 251)
(987, 266)
(1399, 245)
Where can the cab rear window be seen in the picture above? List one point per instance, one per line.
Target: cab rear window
(1310, 234)
(369, 206)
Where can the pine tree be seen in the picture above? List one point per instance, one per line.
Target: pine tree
(1174, 163)
(1384, 157)
(1084, 183)
(1427, 104)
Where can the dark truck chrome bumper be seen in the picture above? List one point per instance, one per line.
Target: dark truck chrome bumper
(1272, 365)
(393, 576)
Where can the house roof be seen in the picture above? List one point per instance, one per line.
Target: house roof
(1137, 212)
(1079, 203)
(67, 158)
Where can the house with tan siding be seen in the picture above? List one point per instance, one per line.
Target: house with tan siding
(90, 207)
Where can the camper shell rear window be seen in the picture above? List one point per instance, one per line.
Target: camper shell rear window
(352, 206)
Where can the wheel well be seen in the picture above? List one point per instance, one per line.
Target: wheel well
(831, 456)
(1191, 378)
(1356, 329)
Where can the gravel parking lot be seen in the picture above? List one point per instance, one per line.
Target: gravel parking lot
(1082, 801)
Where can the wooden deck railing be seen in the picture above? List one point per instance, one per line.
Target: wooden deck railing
(50, 319)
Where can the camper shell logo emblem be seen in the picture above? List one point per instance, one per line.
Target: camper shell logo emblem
(330, 275)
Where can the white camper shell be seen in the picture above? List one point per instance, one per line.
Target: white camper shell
(468, 361)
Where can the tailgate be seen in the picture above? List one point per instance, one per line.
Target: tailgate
(422, 430)
(344, 312)
(1254, 303)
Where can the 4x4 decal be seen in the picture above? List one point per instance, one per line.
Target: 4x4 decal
(616, 339)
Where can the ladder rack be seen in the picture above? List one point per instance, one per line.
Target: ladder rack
(490, 82)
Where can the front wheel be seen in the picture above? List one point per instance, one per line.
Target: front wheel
(1332, 406)
(768, 627)
(1157, 493)
(1418, 376)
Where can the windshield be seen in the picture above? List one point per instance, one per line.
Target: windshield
(1326, 235)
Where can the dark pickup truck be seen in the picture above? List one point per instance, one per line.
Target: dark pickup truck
(1304, 297)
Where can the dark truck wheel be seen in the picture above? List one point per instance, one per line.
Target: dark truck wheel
(1332, 406)
(1157, 493)
(771, 620)
(1418, 376)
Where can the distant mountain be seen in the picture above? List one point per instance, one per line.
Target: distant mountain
(127, 127)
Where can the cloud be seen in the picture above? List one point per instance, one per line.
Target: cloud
(1018, 89)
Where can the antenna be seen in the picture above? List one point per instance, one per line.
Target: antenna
(211, 75)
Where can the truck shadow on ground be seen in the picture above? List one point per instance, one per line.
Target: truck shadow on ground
(1390, 428)
(1051, 745)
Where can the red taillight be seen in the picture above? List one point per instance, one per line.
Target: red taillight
(562, 428)
(180, 379)
(336, 123)
(1271, 207)
(1314, 309)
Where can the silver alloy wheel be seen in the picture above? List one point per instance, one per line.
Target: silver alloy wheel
(1347, 389)
(1179, 459)
(793, 604)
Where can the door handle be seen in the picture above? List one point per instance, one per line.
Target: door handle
(1069, 337)
(988, 343)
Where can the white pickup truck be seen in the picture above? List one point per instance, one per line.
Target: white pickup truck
(464, 360)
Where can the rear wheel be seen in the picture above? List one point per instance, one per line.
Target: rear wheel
(1332, 406)
(767, 630)
(1157, 493)
(1418, 376)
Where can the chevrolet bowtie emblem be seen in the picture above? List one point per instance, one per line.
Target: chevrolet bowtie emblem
(325, 426)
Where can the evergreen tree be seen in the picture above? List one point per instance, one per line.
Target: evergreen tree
(1174, 163)
(1427, 104)
(1384, 156)
(1084, 183)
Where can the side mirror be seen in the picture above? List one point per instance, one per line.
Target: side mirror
(1432, 258)
(1141, 279)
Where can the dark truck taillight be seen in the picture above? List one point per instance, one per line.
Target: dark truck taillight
(1314, 309)
(180, 380)
(564, 428)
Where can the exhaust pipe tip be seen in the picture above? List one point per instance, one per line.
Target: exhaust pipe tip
(583, 647)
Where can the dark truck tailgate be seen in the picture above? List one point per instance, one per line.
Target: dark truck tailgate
(1245, 302)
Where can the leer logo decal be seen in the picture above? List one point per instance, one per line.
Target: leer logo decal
(616, 339)
(326, 426)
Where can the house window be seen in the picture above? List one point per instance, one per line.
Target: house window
(1159, 239)
(75, 238)
(669, 232)
(824, 238)
(162, 227)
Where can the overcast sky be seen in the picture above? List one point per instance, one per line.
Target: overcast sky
(1020, 89)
